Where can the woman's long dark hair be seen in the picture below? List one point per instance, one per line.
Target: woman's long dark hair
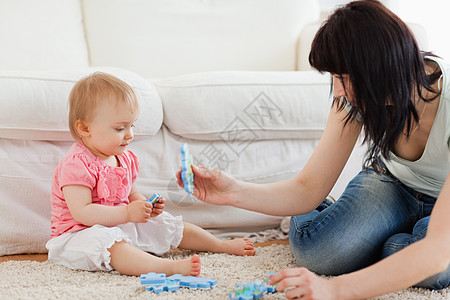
(385, 65)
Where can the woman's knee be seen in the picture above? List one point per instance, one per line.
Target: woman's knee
(305, 247)
(309, 255)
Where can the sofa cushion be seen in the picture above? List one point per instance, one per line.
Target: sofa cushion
(240, 105)
(24, 93)
(44, 34)
(164, 38)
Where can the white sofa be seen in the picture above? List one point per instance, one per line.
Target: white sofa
(229, 77)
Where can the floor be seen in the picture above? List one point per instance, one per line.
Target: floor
(43, 257)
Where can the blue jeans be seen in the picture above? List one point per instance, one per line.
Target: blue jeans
(375, 217)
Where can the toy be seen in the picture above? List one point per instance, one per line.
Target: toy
(252, 290)
(186, 169)
(153, 278)
(158, 283)
(194, 282)
(154, 198)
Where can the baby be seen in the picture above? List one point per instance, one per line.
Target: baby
(99, 219)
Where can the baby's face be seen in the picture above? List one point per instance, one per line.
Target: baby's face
(111, 129)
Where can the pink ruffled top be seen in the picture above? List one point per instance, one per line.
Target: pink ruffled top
(109, 185)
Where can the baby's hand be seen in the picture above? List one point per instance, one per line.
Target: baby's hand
(139, 211)
(158, 207)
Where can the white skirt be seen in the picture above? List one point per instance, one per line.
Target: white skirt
(87, 249)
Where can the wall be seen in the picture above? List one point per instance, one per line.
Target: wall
(431, 14)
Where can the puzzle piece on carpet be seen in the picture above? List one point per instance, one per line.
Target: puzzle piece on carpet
(154, 198)
(194, 282)
(252, 290)
(158, 283)
(186, 169)
(153, 278)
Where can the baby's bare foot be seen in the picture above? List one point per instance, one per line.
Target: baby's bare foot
(238, 247)
(195, 265)
(190, 266)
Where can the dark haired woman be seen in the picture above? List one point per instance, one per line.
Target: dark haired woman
(390, 229)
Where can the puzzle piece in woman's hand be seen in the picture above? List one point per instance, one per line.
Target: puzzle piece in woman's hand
(186, 169)
(252, 290)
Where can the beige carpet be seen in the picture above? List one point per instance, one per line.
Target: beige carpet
(45, 280)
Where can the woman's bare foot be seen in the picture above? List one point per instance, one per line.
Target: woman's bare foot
(237, 247)
(186, 267)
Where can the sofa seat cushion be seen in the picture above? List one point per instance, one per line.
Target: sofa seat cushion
(241, 105)
(34, 103)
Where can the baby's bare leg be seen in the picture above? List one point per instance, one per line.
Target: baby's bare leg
(129, 260)
(198, 239)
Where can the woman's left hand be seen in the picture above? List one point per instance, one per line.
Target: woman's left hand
(158, 207)
(300, 283)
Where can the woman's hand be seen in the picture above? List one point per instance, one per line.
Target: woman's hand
(300, 283)
(158, 207)
(211, 185)
(139, 211)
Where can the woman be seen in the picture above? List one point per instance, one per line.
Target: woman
(390, 229)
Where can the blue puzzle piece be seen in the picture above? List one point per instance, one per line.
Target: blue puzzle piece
(172, 286)
(252, 290)
(157, 289)
(153, 278)
(186, 169)
(194, 282)
(176, 277)
(206, 283)
(188, 282)
(154, 198)
(157, 282)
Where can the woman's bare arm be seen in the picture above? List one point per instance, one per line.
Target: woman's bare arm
(289, 197)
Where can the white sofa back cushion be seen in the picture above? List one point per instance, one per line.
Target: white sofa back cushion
(241, 105)
(25, 94)
(44, 34)
(161, 38)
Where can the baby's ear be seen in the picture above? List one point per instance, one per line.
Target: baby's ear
(82, 128)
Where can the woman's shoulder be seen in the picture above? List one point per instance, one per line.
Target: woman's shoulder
(440, 63)
(444, 80)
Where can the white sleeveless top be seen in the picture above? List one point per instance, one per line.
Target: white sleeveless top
(427, 174)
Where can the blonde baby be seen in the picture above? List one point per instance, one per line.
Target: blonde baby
(99, 219)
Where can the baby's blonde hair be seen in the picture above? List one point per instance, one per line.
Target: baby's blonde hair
(90, 91)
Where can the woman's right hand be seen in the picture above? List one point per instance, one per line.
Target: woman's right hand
(212, 186)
